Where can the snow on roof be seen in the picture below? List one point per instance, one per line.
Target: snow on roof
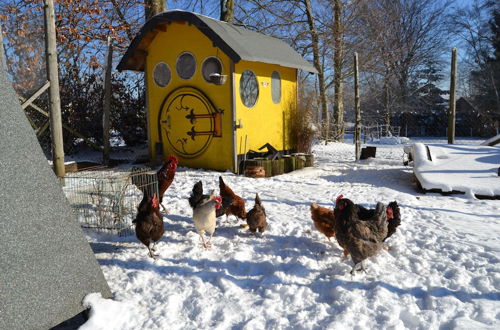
(492, 141)
(469, 169)
(237, 42)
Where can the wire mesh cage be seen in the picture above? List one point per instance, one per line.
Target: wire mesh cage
(107, 200)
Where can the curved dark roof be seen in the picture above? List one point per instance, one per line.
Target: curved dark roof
(238, 43)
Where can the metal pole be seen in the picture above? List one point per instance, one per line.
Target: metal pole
(53, 77)
(357, 108)
(452, 106)
(107, 104)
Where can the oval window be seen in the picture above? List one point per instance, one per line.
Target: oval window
(249, 88)
(162, 74)
(276, 87)
(185, 66)
(211, 65)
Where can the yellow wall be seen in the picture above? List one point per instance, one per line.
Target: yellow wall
(166, 47)
(265, 122)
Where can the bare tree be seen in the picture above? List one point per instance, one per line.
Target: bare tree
(473, 25)
(317, 64)
(400, 36)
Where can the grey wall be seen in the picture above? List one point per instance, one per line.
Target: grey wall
(46, 264)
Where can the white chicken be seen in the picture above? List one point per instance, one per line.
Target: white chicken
(204, 207)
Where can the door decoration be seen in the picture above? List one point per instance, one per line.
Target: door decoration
(189, 121)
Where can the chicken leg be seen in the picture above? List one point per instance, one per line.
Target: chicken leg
(151, 248)
(206, 245)
(354, 270)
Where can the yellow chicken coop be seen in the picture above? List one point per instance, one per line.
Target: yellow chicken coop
(214, 90)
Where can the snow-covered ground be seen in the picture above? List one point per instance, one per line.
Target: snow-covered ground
(442, 271)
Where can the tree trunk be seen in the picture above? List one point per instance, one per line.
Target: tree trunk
(319, 68)
(387, 106)
(227, 11)
(153, 7)
(337, 66)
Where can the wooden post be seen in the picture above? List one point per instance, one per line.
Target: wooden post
(107, 104)
(53, 77)
(357, 134)
(452, 105)
(2, 51)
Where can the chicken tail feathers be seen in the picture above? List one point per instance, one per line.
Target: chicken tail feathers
(381, 215)
(257, 199)
(196, 194)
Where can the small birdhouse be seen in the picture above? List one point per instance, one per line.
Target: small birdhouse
(214, 90)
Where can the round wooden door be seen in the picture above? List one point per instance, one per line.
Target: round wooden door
(188, 122)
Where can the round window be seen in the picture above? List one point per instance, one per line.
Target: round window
(186, 66)
(276, 87)
(211, 65)
(162, 74)
(249, 88)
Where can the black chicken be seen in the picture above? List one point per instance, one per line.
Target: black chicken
(393, 216)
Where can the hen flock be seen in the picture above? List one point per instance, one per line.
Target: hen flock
(359, 231)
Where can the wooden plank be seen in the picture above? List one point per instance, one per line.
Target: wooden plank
(33, 97)
(66, 127)
(2, 52)
(357, 108)
(452, 104)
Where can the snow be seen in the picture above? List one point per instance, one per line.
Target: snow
(389, 140)
(442, 270)
(469, 169)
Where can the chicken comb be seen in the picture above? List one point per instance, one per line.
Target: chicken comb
(155, 200)
(173, 158)
(390, 213)
(218, 201)
(339, 197)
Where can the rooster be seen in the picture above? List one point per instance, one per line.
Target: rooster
(256, 217)
(148, 223)
(165, 176)
(323, 220)
(204, 207)
(361, 239)
(231, 203)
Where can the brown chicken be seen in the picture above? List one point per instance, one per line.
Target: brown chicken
(256, 217)
(323, 220)
(232, 204)
(361, 238)
(165, 176)
(148, 223)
